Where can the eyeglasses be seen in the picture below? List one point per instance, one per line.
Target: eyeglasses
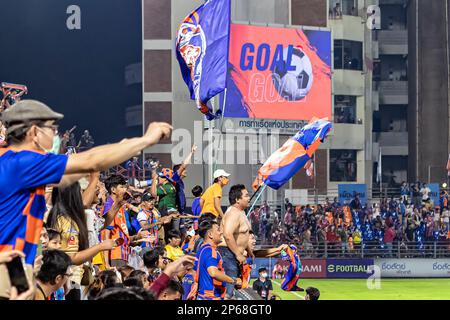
(54, 127)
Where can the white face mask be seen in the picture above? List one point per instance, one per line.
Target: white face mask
(40, 146)
(264, 275)
(191, 233)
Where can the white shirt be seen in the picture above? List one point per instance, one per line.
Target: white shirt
(445, 215)
(425, 192)
(142, 216)
(92, 232)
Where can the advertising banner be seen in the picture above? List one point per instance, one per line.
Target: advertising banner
(412, 268)
(278, 73)
(262, 263)
(313, 268)
(349, 268)
(348, 191)
(434, 194)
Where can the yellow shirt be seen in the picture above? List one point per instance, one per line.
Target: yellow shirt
(215, 191)
(70, 234)
(173, 252)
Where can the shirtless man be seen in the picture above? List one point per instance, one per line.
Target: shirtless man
(236, 234)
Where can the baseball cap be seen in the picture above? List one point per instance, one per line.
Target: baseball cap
(28, 110)
(147, 197)
(166, 173)
(220, 173)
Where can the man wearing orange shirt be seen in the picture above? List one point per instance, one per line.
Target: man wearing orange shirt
(117, 187)
(210, 200)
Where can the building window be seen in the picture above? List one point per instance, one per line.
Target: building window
(344, 109)
(338, 8)
(343, 165)
(348, 55)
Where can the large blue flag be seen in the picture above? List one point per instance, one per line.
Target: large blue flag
(202, 51)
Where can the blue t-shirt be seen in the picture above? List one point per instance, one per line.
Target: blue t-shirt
(23, 176)
(208, 288)
(187, 282)
(196, 208)
(181, 197)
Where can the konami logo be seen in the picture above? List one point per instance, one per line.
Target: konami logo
(313, 268)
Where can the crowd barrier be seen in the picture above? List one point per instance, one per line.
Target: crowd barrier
(359, 268)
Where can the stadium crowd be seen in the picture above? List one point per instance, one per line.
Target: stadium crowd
(411, 223)
(83, 236)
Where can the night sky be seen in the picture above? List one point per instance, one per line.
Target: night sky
(80, 73)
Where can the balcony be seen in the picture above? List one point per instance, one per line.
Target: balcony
(393, 42)
(346, 136)
(349, 82)
(348, 28)
(392, 2)
(391, 143)
(393, 92)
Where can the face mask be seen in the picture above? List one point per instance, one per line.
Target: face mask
(191, 233)
(56, 145)
(40, 146)
(264, 275)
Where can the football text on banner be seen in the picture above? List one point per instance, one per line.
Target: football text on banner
(349, 268)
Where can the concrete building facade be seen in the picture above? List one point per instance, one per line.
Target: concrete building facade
(390, 92)
(345, 158)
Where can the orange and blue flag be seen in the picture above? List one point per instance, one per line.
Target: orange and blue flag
(202, 51)
(284, 163)
(294, 271)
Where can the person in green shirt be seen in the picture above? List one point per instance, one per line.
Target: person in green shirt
(163, 188)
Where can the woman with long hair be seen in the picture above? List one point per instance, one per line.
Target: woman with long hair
(68, 217)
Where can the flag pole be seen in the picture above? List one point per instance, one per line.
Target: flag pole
(262, 188)
(221, 126)
(381, 175)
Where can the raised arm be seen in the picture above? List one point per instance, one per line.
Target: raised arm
(154, 188)
(187, 161)
(109, 216)
(69, 179)
(87, 255)
(104, 157)
(89, 193)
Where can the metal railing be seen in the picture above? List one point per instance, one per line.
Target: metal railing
(430, 249)
(142, 174)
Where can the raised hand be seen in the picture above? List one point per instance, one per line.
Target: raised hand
(157, 131)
